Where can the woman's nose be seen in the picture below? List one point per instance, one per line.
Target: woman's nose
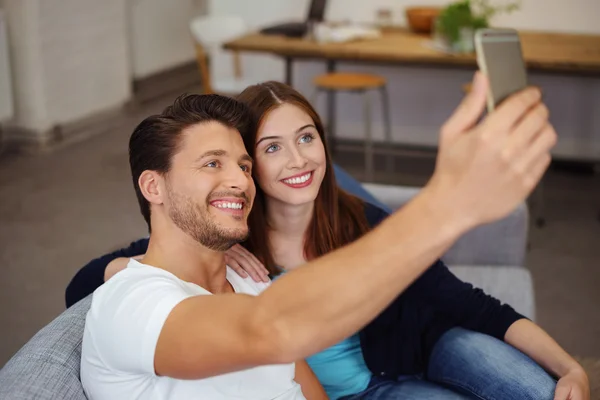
(297, 159)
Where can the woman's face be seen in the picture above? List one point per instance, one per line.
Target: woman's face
(290, 157)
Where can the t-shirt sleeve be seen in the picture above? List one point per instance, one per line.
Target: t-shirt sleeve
(126, 318)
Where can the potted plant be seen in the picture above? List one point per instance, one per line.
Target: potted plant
(459, 20)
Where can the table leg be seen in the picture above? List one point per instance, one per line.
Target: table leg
(331, 112)
(369, 158)
(387, 125)
(289, 70)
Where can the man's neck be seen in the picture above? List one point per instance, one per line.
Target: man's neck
(174, 251)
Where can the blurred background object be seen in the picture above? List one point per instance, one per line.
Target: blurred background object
(220, 71)
(422, 19)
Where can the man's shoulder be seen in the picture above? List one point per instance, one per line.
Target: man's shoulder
(136, 285)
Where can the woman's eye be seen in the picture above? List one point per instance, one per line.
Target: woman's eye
(272, 148)
(307, 138)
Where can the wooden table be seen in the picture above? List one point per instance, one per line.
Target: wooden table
(548, 52)
(556, 53)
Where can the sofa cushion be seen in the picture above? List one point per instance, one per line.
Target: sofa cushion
(47, 367)
(351, 185)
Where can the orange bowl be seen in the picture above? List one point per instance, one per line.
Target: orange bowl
(420, 19)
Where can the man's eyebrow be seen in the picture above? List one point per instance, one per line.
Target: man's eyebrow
(246, 157)
(223, 153)
(279, 137)
(212, 153)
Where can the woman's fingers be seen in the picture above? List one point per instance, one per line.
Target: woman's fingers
(244, 262)
(248, 260)
(234, 265)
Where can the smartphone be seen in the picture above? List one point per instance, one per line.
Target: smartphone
(500, 59)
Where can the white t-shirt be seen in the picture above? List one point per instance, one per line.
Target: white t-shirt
(121, 333)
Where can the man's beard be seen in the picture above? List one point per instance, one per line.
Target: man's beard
(197, 222)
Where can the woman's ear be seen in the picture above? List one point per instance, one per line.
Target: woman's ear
(150, 186)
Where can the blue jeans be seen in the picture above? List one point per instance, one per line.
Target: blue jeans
(468, 365)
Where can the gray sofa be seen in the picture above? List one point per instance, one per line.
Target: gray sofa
(490, 257)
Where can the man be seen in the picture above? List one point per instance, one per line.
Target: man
(155, 331)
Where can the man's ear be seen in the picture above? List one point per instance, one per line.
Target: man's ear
(150, 183)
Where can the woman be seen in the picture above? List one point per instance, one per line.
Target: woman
(440, 339)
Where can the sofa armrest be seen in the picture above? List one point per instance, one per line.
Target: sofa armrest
(47, 367)
(510, 284)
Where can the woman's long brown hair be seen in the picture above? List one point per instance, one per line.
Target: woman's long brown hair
(338, 217)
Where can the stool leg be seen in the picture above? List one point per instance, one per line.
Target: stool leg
(539, 217)
(387, 124)
(330, 129)
(314, 97)
(368, 138)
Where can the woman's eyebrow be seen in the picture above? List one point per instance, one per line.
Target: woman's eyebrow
(304, 127)
(279, 137)
(267, 138)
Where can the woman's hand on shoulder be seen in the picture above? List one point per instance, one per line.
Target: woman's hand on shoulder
(246, 264)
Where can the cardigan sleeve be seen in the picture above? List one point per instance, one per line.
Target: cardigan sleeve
(91, 275)
(463, 304)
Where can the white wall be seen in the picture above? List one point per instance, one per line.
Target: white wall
(158, 34)
(69, 59)
(6, 96)
(85, 56)
(423, 98)
(27, 71)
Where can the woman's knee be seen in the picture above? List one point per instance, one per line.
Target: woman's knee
(487, 366)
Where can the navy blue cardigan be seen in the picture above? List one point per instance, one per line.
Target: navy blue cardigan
(399, 340)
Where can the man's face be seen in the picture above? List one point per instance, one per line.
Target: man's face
(209, 187)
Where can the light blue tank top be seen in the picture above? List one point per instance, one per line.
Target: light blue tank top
(341, 368)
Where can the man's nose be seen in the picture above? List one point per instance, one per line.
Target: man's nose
(238, 179)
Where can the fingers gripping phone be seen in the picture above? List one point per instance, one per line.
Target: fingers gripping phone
(500, 59)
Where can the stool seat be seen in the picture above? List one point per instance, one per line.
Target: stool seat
(363, 84)
(466, 88)
(349, 81)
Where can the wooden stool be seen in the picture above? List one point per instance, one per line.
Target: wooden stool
(359, 83)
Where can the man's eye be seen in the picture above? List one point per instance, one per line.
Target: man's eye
(246, 168)
(212, 164)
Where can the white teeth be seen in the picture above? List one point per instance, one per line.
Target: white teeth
(295, 181)
(235, 206)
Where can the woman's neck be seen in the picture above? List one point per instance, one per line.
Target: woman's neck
(289, 221)
(287, 230)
